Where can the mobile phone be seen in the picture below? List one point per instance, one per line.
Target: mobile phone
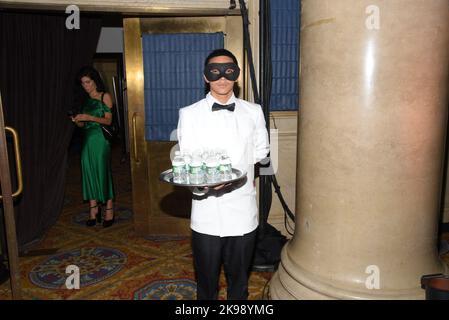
(70, 113)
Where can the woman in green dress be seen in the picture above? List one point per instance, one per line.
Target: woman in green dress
(96, 150)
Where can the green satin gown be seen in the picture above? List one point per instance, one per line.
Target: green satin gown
(96, 156)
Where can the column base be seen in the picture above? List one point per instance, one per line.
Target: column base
(301, 285)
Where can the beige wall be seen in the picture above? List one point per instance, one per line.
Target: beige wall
(286, 123)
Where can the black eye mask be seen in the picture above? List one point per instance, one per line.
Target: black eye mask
(215, 71)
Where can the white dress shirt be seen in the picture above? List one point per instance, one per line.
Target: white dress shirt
(244, 136)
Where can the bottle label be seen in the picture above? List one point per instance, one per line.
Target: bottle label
(225, 167)
(211, 170)
(195, 170)
(178, 169)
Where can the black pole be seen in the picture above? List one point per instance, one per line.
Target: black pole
(265, 198)
(263, 192)
(270, 241)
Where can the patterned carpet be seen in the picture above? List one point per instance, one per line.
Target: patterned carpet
(113, 263)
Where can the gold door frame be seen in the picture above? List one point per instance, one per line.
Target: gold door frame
(7, 200)
(147, 219)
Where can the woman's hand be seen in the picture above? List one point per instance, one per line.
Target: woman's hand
(77, 123)
(82, 117)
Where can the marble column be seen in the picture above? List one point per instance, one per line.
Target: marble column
(374, 96)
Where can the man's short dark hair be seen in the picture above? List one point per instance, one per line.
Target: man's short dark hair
(218, 53)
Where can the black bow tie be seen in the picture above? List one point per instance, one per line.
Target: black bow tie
(229, 107)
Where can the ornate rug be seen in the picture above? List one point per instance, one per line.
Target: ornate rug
(171, 289)
(114, 263)
(95, 264)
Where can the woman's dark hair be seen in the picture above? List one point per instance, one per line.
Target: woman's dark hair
(93, 74)
(220, 52)
(80, 94)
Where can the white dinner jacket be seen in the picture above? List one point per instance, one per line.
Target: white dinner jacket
(244, 136)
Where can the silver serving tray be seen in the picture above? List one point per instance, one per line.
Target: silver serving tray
(167, 176)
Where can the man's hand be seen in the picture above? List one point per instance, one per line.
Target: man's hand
(204, 190)
(199, 191)
(221, 186)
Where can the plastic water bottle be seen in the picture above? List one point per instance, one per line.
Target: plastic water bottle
(179, 167)
(204, 157)
(187, 159)
(212, 169)
(196, 173)
(225, 167)
(219, 153)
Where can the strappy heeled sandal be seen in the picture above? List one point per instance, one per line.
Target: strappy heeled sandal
(108, 223)
(92, 222)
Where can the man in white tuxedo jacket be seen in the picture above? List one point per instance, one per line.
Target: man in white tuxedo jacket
(224, 219)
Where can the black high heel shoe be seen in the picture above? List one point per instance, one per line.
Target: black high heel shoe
(108, 223)
(92, 222)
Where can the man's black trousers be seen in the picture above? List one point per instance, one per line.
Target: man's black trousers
(235, 253)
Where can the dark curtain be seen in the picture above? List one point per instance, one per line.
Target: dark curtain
(39, 59)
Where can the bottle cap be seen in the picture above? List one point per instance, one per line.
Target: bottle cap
(225, 160)
(212, 162)
(196, 162)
